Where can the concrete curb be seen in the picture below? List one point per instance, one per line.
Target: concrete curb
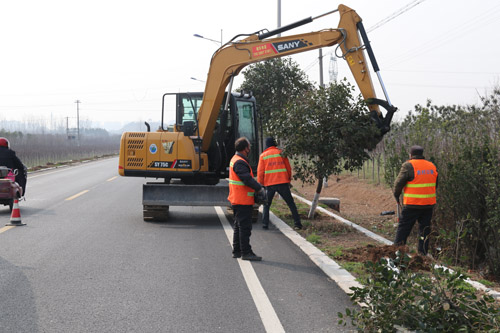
(349, 223)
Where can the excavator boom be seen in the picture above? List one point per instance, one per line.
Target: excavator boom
(232, 57)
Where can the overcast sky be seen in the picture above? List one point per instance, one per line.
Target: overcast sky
(119, 57)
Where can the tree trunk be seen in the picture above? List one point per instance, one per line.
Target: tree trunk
(316, 199)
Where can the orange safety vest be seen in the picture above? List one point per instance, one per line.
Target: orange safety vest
(273, 168)
(422, 189)
(239, 193)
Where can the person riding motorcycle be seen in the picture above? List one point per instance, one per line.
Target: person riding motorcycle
(9, 159)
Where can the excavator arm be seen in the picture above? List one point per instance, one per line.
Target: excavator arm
(232, 57)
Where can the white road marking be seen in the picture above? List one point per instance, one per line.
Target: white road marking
(264, 307)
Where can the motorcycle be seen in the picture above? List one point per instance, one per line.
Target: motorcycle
(9, 189)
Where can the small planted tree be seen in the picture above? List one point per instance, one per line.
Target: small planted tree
(324, 132)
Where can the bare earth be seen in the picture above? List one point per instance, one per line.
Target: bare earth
(360, 202)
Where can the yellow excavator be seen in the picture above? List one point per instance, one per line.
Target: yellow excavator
(192, 156)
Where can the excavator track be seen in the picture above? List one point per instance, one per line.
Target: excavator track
(155, 213)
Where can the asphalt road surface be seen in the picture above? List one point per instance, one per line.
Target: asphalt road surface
(86, 262)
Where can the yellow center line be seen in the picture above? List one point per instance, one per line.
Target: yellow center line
(4, 229)
(77, 195)
(112, 178)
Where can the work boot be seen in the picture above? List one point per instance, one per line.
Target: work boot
(297, 227)
(265, 226)
(236, 254)
(251, 256)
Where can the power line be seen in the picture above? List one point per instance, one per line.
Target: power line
(441, 72)
(377, 25)
(439, 86)
(464, 28)
(396, 14)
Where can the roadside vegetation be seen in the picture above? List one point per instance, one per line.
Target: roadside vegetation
(38, 150)
(396, 297)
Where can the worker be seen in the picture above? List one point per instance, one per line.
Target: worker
(9, 159)
(418, 180)
(275, 173)
(242, 189)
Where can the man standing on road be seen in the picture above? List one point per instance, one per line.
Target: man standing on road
(242, 188)
(418, 180)
(275, 173)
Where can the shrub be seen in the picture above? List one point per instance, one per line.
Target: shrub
(439, 302)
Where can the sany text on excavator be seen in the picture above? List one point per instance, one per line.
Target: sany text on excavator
(193, 156)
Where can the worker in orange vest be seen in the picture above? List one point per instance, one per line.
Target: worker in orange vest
(242, 190)
(275, 173)
(417, 180)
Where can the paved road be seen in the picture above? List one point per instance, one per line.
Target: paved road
(86, 262)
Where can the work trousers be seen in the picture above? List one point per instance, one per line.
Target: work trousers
(284, 191)
(408, 218)
(242, 228)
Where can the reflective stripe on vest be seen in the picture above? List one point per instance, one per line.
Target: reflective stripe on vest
(275, 168)
(422, 189)
(239, 193)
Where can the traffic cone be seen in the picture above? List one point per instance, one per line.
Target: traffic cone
(15, 217)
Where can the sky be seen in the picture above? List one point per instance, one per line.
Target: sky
(119, 57)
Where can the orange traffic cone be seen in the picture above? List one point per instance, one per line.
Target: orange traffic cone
(15, 217)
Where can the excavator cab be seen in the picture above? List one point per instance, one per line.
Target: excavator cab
(240, 119)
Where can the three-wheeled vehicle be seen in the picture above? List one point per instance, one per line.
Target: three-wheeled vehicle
(9, 189)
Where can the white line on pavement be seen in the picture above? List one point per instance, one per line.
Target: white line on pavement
(264, 307)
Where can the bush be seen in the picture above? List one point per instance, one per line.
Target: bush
(439, 302)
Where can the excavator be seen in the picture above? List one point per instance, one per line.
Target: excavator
(192, 156)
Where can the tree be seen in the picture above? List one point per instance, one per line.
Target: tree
(324, 132)
(274, 83)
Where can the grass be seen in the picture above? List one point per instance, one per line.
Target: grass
(313, 238)
(357, 269)
(333, 251)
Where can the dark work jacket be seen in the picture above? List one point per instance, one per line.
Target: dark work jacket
(407, 174)
(242, 169)
(9, 159)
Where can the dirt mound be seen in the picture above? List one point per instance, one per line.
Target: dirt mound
(375, 253)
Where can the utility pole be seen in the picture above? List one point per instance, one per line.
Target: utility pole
(78, 119)
(321, 84)
(279, 16)
(334, 72)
